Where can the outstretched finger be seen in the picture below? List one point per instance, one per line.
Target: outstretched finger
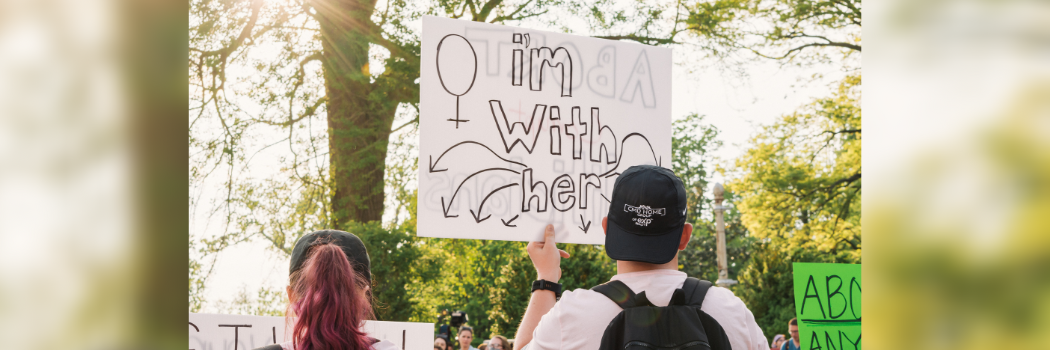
(563, 253)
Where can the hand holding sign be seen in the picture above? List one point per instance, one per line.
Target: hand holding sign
(550, 132)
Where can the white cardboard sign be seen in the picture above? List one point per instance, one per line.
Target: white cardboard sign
(240, 332)
(520, 128)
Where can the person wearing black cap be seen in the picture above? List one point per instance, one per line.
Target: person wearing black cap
(644, 230)
(330, 279)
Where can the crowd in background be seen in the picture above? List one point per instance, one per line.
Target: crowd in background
(465, 336)
(498, 342)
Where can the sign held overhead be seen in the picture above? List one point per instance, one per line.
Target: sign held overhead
(533, 128)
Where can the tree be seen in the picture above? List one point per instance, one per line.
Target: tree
(801, 180)
(367, 64)
(797, 187)
(800, 195)
(691, 144)
(798, 31)
(317, 89)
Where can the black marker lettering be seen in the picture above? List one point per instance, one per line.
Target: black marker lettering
(814, 340)
(576, 129)
(562, 193)
(591, 180)
(528, 192)
(604, 138)
(831, 343)
(851, 282)
(236, 328)
(814, 295)
(555, 114)
(506, 128)
(556, 58)
(518, 62)
(830, 294)
(856, 345)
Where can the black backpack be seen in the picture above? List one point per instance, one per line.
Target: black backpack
(680, 325)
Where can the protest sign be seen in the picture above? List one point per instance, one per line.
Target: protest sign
(827, 304)
(521, 128)
(240, 332)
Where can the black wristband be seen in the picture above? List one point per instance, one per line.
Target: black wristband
(547, 285)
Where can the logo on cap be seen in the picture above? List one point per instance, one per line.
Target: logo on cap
(645, 211)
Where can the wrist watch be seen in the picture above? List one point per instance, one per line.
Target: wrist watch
(547, 285)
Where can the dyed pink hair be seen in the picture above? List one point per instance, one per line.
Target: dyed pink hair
(331, 302)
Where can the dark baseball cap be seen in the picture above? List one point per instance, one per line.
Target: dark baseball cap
(352, 246)
(646, 215)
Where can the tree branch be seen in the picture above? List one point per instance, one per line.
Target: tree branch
(416, 120)
(786, 54)
(245, 33)
(641, 39)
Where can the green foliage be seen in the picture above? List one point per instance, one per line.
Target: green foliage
(765, 286)
(491, 281)
(799, 31)
(691, 144)
(196, 288)
(800, 194)
(266, 302)
(260, 77)
(399, 258)
(270, 79)
(700, 259)
(801, 180)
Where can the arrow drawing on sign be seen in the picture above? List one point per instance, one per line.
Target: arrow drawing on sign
(433, 163)
(445, 209)
(659, 161)
(477, 216)
(586, 226)
(507, 223)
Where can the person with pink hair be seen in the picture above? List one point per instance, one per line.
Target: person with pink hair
(329, 294)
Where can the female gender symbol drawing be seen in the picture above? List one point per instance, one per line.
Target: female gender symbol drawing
(457, 68)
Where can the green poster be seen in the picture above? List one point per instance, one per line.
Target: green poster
(827, 304)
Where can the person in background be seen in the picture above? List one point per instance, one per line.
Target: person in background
(646, 252)
(499, 342)
(484, 345)
(777, 341)
(466, 335)
(329, 279)
(442, 343)
(793, 343)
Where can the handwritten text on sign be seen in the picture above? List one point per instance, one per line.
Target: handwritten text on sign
(240, 332)
(520, 128)
(827, 304)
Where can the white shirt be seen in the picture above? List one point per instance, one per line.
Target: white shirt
(381, 345)
(579, 319)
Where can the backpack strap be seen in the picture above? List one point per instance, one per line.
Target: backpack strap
(694, 291)
(618, 292)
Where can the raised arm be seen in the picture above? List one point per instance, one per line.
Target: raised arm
(546, 257)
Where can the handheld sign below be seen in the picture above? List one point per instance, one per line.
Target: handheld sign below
(827, 304)
(521, 128)
(241, 332)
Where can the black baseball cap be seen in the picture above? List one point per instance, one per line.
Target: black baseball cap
(352, 246)
(646, 215)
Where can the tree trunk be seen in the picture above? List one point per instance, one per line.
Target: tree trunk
(359, 117)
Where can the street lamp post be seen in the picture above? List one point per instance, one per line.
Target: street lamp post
(720, 229)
